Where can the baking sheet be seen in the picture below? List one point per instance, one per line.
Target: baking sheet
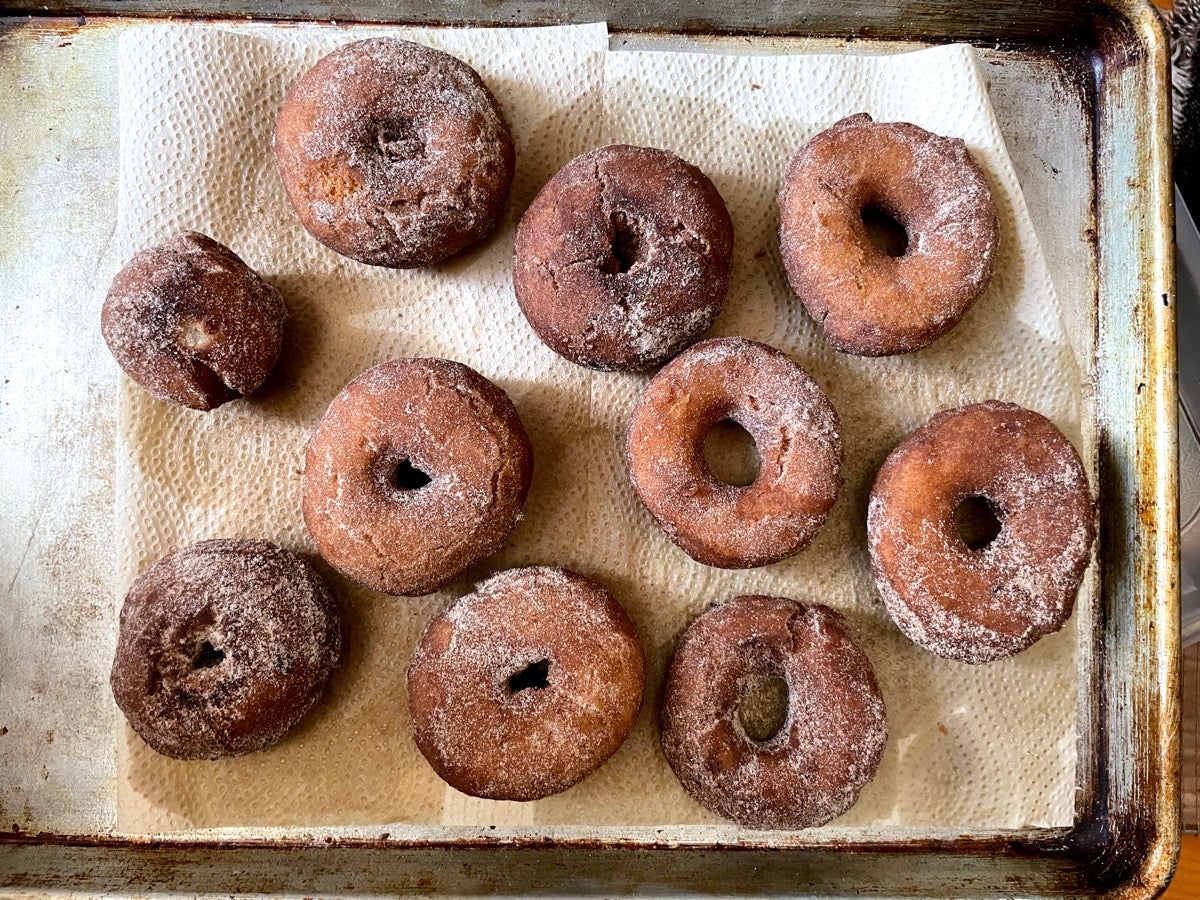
(950, 723)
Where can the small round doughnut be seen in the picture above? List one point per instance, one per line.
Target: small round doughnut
(418, 469)
(868, 302)
(394, 154)
(223, 646)
(795, 431)
(526, 686)
(193, 324)
(623, 258)
(833, 728)
(999, 593)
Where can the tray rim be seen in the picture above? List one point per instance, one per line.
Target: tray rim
(1125, 843)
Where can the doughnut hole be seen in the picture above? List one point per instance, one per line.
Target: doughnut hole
(207, 656)
(407, 477)
(884, 232)
(977, 520)
(763, 706)
(400, 140)
(627, 246)
(731, 454)
(534, 677)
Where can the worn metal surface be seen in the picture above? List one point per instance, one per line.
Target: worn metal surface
(57, 99)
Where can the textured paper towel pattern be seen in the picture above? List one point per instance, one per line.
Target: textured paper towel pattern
(198, 107)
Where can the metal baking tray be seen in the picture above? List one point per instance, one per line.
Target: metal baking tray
(1103, 63)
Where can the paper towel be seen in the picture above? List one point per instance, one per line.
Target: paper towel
(198, 105)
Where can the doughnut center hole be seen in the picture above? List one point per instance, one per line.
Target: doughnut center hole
(626, 241)
(400, 140)
(731, 454)
(407, 477)
(207, 657)
(977, 521)
(886, 235)
(763, 707)
(531, 678)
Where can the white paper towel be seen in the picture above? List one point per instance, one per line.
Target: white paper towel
(198, 105)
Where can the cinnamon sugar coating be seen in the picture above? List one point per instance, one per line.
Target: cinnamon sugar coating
(795, 430)
(867, 302)
(978, 605)
(623, 258)
(193, 324)
(526, 686)
(394, 154)
(417, 470)
(223, 646)
(834, 727)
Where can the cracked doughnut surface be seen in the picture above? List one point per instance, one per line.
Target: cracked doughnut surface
(623, 258)
(796, 433)
(394, 154)
(193, 324)
(868, 302)
(526, 686)
(417, 470)
(223, 646)
(978, 603)
(834, 725)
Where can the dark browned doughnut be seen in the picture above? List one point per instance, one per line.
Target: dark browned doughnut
(525, 687)
(193, 324)
(977, 605)
(418, 469)
(223, 647)
(394, 154)
(833, 729)
(868, 302)
(623, 258)
(794, 428)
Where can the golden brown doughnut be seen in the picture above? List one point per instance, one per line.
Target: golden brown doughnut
(795, 430)
(977, 605)
(526, 686)
(417, 470)
(868, 302)
(394, 154)
(832, 733)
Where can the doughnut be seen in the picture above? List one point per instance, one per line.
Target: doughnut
(526, 686)
(223, 646)
(796, 433)
(417, 470)
(192, 324)
(623, 258)
(960, 591)
(394, 154)
(870, 302)
(830, 735)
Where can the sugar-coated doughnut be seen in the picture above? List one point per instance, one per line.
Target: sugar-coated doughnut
(394, 154)
(832, 732)
(223, 646)
(868, 302)
(526, 686)
(193, 324)
(417, 470)
(795, 430)
(623, 258)
(997, 595)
